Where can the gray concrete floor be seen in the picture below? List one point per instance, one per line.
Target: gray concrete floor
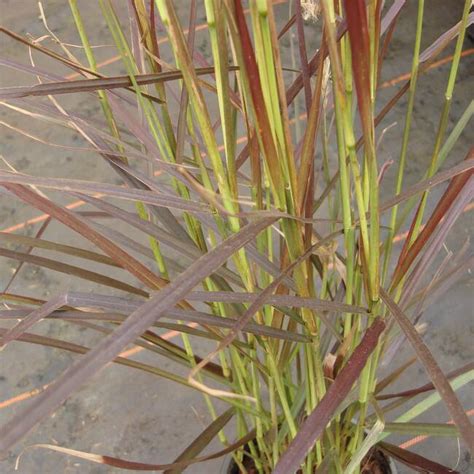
(126, 413)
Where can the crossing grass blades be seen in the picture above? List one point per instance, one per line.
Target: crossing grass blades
(259, 188)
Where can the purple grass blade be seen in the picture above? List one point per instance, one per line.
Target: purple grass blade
(89, 85)
(32, 318)
(72, 270)
(438, 239)
(303, 54)
(204, 319)
(139, 466)
(86, 187)
(203, 440)
(276, 300)
(184, 248)
(415, 461)
(426, 387)
(110, 347)
(438, 378)
(314, 426)
(392, 14)
(421, 186)
(444, 39)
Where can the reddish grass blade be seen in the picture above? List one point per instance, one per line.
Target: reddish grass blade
(88, 187)
(388, 24)
(38, 47)
(92, 85)
(257, 97)
(437, 239)
(443, 206)
(356, 12)
(72, 64)
(72, 270)
(305, 184)
(32, 318)
(316, 423)
(12, 297)
(37, 242)
(464, 167)
(78, 349)
(127, 306)
(33, 70)
(392, 14)
(427, 57)
(297, 84)
(437, 46)
(81, 226)
(204, 319)
(303, 54)
(163, 346)
(393, 376)
(276, 300)
(436, 375)
(138, 322)
(287, 26)
(426, 387)
(6, 235)
(200, 443)
(413, 460)
(139, 466)
(184, 247)
(443, 284)
(295, 88)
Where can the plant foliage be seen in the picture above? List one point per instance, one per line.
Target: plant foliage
(264, 229)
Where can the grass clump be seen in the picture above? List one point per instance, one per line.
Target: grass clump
(259, 188)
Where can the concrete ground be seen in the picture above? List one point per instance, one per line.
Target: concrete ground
(126, 413)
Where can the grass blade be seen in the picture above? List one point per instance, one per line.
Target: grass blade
(204, 319)
(136, 324)
(413, 460)
(202, 440)
(81, 226)
(430, 429)
(139, 466)
(72, 270)
(78, 349)
(426, 387)
(276, 300)
(36, 242)
(314, 425)
(86, 187)
(441, 209)
(439, 380)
